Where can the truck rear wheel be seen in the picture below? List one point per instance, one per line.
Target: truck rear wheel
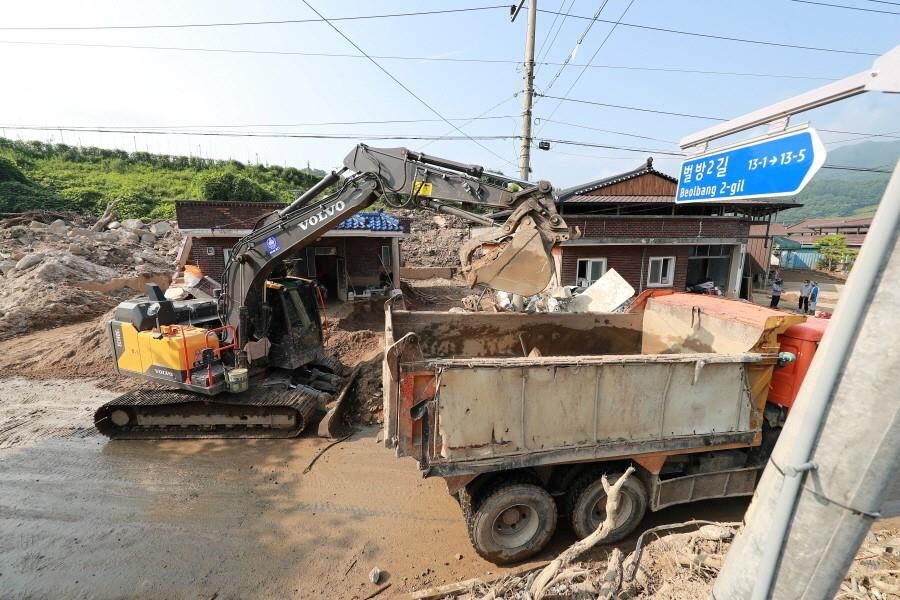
(586, 504)
(512, 522)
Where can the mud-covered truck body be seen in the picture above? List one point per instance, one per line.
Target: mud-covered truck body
(521, 414)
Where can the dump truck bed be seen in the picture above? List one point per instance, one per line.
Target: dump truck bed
(476, 392)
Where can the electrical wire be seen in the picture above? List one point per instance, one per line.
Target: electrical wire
(634, 135)
(246, 23)
(544, 49)
(501, 61)
(623, 107)
(323, 123)
(578, 43)
(612, 147)
(860, 169)
(593, 56)
(402, 85)
(726, 38)
(857, 8)
(480, 116)
(354, 137)
(249, 134)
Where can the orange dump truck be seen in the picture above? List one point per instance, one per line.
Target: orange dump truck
(522, 414)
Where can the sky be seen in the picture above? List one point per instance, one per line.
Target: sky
(454, 66)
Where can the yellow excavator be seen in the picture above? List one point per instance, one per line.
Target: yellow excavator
(249, 361)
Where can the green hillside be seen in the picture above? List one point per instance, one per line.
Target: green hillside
(842, 193)
(34, 175)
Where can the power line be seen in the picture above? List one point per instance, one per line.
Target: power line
(245, 134)
(858, 8)
(634, 135)
(400, 83)
(593, 56)
(261, 134)
(322, 123)
(407, 58)
(650, 110)
(860, 169)
(247, 23)
(726, 38)
(578, 43)
(884, 2)
(480, 116)
(612, 147)
(544, 50)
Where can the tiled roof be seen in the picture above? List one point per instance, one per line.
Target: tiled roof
(810, 224)
(372, 221)
(566, 195)
(619, 199)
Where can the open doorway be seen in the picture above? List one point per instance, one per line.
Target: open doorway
(709, 263)
(326, 266)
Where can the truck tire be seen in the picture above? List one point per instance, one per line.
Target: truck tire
(512, 521)
(586, 505)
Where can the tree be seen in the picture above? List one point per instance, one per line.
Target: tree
(834, 251)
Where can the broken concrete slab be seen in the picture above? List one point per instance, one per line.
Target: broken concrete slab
(604, 295)
(148, 239)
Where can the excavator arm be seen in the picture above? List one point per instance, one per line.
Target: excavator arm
(514, 257)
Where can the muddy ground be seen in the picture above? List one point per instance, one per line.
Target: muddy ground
(85, 517)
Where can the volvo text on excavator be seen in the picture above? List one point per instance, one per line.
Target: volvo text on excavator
(249, 361)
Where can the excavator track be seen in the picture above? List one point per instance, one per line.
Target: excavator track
(175, 414)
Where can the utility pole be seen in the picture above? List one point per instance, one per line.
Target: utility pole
(528, 91)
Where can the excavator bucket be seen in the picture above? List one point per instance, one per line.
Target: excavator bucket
(333, 424)
(520, 263)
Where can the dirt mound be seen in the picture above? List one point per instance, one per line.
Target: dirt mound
(63, 272)
(434, 239)
(80, 350)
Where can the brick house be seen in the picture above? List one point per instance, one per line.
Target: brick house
(631, 223)
(358, 254)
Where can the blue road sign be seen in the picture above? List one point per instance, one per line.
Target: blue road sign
(767, 168)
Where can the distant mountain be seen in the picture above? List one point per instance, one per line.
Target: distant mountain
(841, 193)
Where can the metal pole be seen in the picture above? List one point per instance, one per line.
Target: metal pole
(833, 469)
(528, 94)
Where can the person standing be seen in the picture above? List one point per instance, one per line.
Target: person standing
(803, 304)
(813, 297)
(776, 293)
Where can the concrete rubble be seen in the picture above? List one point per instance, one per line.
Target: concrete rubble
(56, 270)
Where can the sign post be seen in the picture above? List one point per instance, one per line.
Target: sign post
(769, 167)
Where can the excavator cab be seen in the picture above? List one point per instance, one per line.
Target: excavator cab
(294, 331)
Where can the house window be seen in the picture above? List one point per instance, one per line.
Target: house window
(589, 271)
(386, 257)
(662, 271)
